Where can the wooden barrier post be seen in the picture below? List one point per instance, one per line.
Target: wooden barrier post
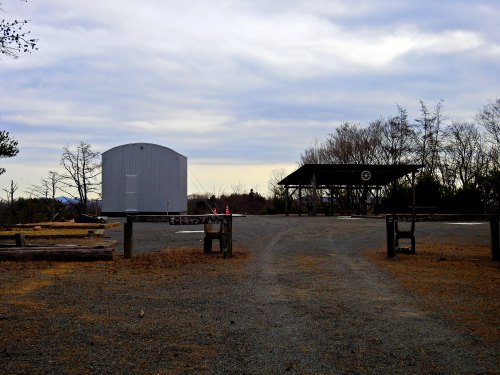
(228, 237)
(20, 240)
(389, 223)
(495, 241)
(127, 238)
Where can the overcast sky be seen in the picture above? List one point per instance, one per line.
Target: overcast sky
(240, 87)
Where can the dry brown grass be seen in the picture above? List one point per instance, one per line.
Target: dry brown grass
(459, 281)
(131, 285)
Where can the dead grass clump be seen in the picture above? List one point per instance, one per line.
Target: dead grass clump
(178, 257)
(459, 281)
(172, 258)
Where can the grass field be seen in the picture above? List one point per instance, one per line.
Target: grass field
(461, 282)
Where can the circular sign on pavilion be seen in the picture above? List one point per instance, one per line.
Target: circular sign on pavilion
(366, 175)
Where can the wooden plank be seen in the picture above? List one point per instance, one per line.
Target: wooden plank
(179, 219)
(57, 253)
(65, 225)
(149, 218)
(442, 217)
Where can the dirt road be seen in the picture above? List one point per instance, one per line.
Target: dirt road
(298, 297)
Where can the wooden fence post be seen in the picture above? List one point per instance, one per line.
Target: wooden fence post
(229, 237)
(127, 238)
(20, 240)
(495, 241)
(389, 223)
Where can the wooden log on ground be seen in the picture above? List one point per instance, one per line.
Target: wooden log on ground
(69, 225)
(62, 253)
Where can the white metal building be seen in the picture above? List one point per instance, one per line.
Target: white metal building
(143, 178)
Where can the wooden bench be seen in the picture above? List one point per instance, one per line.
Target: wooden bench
(213, 232)
(215, 227)
(406, 234)
(394, 234)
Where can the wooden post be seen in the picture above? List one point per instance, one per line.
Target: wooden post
(348, 202)
(389, 223)
(207, 243)
(286, 201)
(364, 203)
(127, 238)
(300, 200)
(331, 201)
(20, 240)
(413, 193)
(230, 237)
(314, 194)
(495, 241)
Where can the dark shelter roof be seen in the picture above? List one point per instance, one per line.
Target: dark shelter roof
(341, 175)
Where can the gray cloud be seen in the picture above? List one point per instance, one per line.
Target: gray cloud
(237, 82)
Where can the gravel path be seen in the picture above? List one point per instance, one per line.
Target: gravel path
(309, 303)
(297, 298)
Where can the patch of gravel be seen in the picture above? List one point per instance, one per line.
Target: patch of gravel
(298, 298)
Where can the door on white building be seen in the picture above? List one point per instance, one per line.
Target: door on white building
(131, 193)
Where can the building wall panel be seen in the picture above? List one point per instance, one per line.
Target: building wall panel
(161, 178)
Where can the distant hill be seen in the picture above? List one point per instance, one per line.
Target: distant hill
(67, 200)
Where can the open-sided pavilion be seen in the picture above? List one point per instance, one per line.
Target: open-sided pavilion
(366, 177)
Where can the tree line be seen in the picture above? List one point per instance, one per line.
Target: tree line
(78, 182)
(461, 159)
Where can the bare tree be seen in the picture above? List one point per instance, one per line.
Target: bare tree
(238, 189)
(352, 143)
(48, 189)
(430, 123)
(13, 38)
(465, 152)
(312, 154)
(277, 191)
(10, 195)
(82, 166)
(448, 172)
(398, 139)
(489, 118)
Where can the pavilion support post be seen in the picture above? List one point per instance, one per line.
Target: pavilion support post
(377, 203)
(364, 197)
(286, 201)
(314, 197)
(348, 202)
(300, 200)
(331, 201)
